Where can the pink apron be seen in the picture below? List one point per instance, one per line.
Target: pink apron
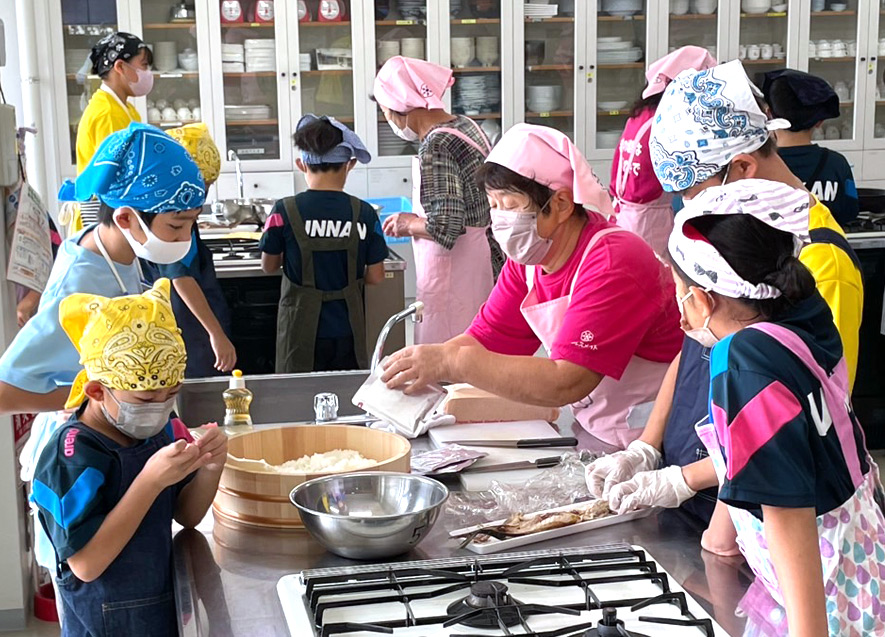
(617, 410)
(852, 536)
(452, 284)
(652, 221)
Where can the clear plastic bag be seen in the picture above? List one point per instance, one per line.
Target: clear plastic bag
(557, 486)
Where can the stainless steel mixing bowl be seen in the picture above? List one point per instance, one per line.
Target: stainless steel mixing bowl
(369, 515)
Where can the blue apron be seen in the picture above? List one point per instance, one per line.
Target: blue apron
(681, 445)
(134, 596)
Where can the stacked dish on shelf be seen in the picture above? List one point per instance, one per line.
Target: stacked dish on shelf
(386, 50)
(616, 50)
(755, 6)
(543, 98)
(612, 106)
(232, 58)
(390, 144)
(622, 8)
(487, 50)
(165, 56)
(246, 112)
(463, 51)
(415, 9)
(475, 94)
(608, 138)
(260, 55)
(540, 9)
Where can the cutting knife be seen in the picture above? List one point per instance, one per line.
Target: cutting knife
(525, 443)
(540, 463)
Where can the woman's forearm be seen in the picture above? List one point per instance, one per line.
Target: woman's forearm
(794, 546)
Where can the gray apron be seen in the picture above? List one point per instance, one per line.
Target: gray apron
(300, 305)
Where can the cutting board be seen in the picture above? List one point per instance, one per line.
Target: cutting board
(498, 431)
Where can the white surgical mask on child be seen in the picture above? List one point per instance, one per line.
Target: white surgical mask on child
(703, 335)
(154, 249)
(406, 134)
(140, 421)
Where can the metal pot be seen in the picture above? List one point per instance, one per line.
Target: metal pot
(871, 200)
(369, 515)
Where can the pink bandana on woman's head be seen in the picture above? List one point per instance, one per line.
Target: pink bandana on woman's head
(662, 72)
(404, 84)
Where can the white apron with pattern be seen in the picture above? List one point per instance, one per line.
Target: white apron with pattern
(603, 413)
(452, 284)
(852, 536)
(653, 221)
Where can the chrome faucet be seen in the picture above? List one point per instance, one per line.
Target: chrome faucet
(415, 310)
(232, 156)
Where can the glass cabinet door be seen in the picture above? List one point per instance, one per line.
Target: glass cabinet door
(252, 112)
(693, 22)
(325, 59)
(84, 23)
(400, 29)
(550, 98)
(876, 76)
(832, 55)
(620, 63)
(475, 57)
(764, 36)
(170, 30)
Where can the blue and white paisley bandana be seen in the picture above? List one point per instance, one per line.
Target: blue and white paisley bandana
(705, 119)
(776, 204)
(140, 167)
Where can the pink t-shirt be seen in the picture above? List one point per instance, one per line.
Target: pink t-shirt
(624, 296)
(642, 184)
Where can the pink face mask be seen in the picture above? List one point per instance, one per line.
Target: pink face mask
(145, 82)
(517, 234)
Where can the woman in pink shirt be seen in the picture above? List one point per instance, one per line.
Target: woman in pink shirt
(595, 296)
(641, 204)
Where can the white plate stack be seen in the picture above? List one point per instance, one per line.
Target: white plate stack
(543, 98)
(615, 50)
(387, 49)
(487, 50)
(622, 7)
(412, 48)
(165, 56)
(540, 9)
(475, 94)
(260, 55)
(232, 58)
(246, 112)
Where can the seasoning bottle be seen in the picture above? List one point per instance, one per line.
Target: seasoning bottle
(236, 401)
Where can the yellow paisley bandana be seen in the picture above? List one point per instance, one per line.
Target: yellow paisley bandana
(198, 142)
(129, 343)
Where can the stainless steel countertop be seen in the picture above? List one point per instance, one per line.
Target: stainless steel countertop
(226, 579)
(252, 267)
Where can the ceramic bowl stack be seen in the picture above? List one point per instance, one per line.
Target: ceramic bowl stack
(246, 112)
(232, 58)
(165, 56)
(615, 50)
(414, 9)
(755, 6)
(188, 60)
(622, 7)
(260, 55)
(387, 49)
(543, 98)
(475, 94)
(608, 138)
(487, 50)
(412, 48)
(75, 58)
(679, 7)
(463, 51)
(704, 7)
(540, 9)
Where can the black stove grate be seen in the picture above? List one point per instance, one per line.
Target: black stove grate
(403, 584)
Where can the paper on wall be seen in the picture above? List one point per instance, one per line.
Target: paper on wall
(30, 252)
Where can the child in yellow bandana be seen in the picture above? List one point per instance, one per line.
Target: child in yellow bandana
(109, 482)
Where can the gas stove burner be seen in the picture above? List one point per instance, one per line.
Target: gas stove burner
(611, 626)
(495, 604)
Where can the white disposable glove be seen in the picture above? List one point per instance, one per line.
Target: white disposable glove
(662, 488)
(605, 472)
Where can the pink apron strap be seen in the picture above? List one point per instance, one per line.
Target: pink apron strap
(835, 391)
(622, 175)
(463, 137)
(530, 269)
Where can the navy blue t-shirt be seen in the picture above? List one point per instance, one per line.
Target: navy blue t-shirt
(326, 214)
(834, 186)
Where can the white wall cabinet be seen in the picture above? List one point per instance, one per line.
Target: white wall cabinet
(579, 70)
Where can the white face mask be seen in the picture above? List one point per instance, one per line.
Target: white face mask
(703, 335)
(145, 82)
(406, 134)
(517, 234)
(140, 421)
(154, 249)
